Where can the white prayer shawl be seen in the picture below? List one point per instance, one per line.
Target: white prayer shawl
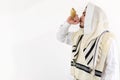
(90, 46)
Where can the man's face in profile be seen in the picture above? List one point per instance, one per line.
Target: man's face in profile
(82, 19)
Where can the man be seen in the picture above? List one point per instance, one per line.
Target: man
(94, 54)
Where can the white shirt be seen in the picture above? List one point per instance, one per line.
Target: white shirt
(111, 71)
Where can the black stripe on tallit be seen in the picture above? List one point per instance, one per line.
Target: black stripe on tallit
(74, 49)
(98, 73)
(86, 69)
(74, 46)
(90, 50)
(81, 67)
(88, 44)
(77, 44)
(90, 60)
(84, 49)
(73, 63)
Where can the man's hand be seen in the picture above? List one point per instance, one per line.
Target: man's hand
(74, 20)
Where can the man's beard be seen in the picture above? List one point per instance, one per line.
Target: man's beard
(81, 26)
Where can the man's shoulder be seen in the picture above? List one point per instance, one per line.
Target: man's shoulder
(109, 35)
(107, 39)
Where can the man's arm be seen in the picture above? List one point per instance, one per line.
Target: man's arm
(63, 34)
(111, 71)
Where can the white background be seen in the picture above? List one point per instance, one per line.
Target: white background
(29, 49)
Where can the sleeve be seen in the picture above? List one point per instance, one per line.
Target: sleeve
(111, 71)
(63, 35)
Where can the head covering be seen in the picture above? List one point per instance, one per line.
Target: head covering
(95, 20)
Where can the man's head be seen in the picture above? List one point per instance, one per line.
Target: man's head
(93, 20)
